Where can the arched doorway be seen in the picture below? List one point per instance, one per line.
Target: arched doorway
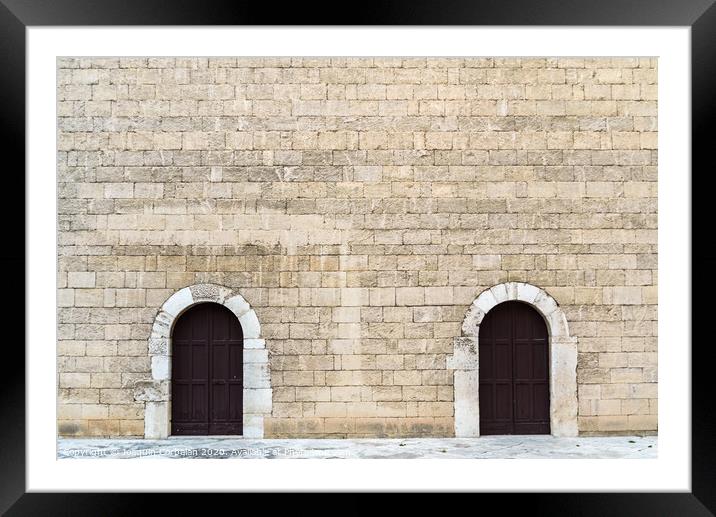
(155, 392)
(466, 358)
(207, 372)
(514, 371)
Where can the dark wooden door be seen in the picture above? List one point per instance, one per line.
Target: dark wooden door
(514, 371)
(207, 372)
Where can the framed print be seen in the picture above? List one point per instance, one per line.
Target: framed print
(439, 250)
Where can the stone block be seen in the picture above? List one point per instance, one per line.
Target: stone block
(156, 420)
(257, 400)
(84, 279)
(409, 296)
(465, 354)
(256, 375)
(161, 367)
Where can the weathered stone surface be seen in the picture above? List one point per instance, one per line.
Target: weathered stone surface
(254, 343)
(250, 325)
(563, 388)
(256, 375)
(527, 293)
(161, 367)
(162, 326)
(485, 447)
(485, 301)
(257, 400)
(465, 354)
(471, 323)
(159, 346)
(360, 217)
(156, 420)
(209, 293)
(253, 426)
(178, 302)
(253, 356)
(238, 305)
(467, 403)
(151, 391)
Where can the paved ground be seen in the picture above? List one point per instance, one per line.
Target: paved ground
(483, 447)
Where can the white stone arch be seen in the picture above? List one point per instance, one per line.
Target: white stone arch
(156, 393)
(562, 359)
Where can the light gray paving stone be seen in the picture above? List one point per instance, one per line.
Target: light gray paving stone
(486, 447)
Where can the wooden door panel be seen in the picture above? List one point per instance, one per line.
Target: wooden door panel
(487, 402)
(181, 403)
(181, 370)
(522, 368)
(207, 391)
(503, 401)
(236, 361)
(503, 360)
(227, 353)
(236, 395)
(540, 393)
(199, 360)
(523, 402)
(219, 410)
(540, 358)
(198, 398)
(219, 361)
(513, 371)
(487, 361)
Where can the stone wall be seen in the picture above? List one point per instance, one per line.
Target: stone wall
(359, 205)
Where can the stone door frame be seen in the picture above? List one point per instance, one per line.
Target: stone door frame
(156, 393)
(562, 359)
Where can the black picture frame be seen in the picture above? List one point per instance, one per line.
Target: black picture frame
(17, 15)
